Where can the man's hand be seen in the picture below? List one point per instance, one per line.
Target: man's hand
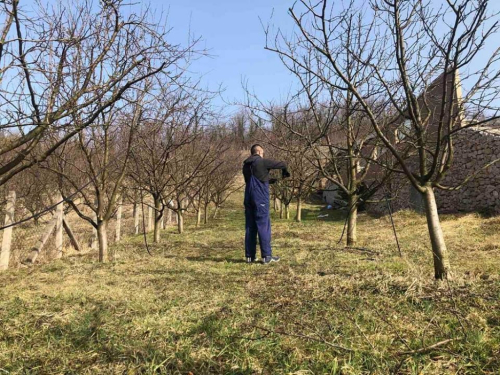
(285, 173)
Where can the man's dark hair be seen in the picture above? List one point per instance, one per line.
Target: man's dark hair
(253, 149)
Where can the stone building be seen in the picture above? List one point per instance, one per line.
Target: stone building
(477, 187)
(474, 149)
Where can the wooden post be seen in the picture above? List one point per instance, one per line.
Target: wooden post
(35, 250)
(7, 232)
(59, 227)
(136, 218)
(71, 235)
(150, 219)
(119, 220)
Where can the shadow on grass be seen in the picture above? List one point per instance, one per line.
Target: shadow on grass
(214, 259)
(321, 214)
(139, 350)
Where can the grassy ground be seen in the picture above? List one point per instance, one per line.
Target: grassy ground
(194, 307)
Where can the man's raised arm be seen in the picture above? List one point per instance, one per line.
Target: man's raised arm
(274, 164)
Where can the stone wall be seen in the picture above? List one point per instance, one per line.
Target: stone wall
(473, 150)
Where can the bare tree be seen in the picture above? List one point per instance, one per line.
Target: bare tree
(35, 190)
(320, 131)
(190, 165)
(414, 54)
(238, 126)
(66, 60)
(222, 182)
(172, 125)
(100, 155)
(303, 177)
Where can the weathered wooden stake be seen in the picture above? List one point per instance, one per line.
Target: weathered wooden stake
(59, 227)
(37, 249)
(7, 232)
(71, 235)
(136, 218)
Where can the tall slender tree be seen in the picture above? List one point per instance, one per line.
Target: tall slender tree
(414, 52)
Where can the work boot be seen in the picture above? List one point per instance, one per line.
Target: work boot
(270, 259)
(250, 260)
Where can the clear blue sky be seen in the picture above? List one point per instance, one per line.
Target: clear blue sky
(233, 34)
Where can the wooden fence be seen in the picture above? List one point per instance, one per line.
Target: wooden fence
(61, 231)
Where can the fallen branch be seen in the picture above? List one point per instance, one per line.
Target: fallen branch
(428, 348)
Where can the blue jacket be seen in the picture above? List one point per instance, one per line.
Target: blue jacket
(261, 168)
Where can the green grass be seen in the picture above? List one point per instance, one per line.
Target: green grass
(196, 307)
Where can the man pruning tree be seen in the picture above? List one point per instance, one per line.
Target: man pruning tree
(257, 221)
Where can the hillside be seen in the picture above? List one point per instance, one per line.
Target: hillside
(195, 307)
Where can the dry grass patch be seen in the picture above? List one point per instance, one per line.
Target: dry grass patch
(195, 306)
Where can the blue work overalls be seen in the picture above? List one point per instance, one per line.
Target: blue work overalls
(257, 220)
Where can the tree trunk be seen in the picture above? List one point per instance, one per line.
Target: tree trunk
(281, 209)
(206, 214)
(118, 229)
(439, 251)
(102, 237)
(180, 222)
(298, 216)
(287, 211)
(215, 212)
(156, 237)
(169, 217)
(150, 219)
(352, 233)
(94, 242)
(198, 216)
